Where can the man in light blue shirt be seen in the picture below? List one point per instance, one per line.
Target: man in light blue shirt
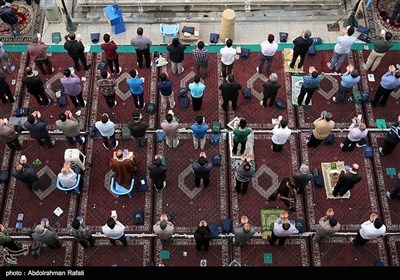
(135, 84)
(389, 82)
(310, 84)
(349, 80)
(342, 48)
(199, 132)
(197, 91)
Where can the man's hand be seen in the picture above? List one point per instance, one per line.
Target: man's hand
(392, 68)
(311, 69)
(349, 68)
(330, 212)
(244, 219)
(372, 217)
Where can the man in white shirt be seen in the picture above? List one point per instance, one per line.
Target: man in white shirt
(357, 131)
(268, 50)
(280, 134)
(373, 228)
(114, 230)
(68, 177)
(282, 229)
(342, 48)
(228, 56)
(107, 130)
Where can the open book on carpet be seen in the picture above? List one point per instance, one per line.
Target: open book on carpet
(330, 172)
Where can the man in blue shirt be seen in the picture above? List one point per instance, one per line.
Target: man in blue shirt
(389, 82)
(136, 87)
(310, 84)
(164, 86)
(199, 132)
(349, 80)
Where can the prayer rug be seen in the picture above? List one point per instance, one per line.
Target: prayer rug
(268, 217)
(330, 172)
(288, 56)
(297, 82)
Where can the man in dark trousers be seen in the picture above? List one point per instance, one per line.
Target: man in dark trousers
(285, 192)
(37, 128)
(138, 128)
(202, 170)
(34, 86)
(76, 50)
(230, 92)
(9, 136)
(392, 138)
(301, 45)
(25, 172)
(142, 47)
(9, 17)
(270, 90)
(347, 180)
(158, 173)
(202, 235)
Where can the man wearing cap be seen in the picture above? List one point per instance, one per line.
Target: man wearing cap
(164, 229)
(106, 86)
(347, 180)
(46, 234)
(138, 128)
(301, 178)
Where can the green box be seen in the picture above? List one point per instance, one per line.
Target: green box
(164, 255)
(268, 258)
(390, 171)
(381, 123)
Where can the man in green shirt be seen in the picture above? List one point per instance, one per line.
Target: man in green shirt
(381, 45)
(240, 136)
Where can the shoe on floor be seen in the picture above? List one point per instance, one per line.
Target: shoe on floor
(115, 104)
(49, 103)
(104, 145)
(257, 70)
(261, 103)
(53, 142)
(334, 99)
(398, 66)
(329, 65)
(83, 140)
(12, 69)
(380, 149)
(116, 145)
(85, 103)
(360, 146)
(183, 69)
(341, 145)
(78, 113)
(388, 195)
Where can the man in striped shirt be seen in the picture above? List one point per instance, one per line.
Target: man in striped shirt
(107, 88)
(201, 60)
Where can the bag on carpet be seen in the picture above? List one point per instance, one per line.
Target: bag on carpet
(151, 108)
(368, 152)
(318, 179)
(283, 36)
(22, 112)
(216, 160)
(246, 93)
(365, 97)
(102, 65)
(226, 225)
(216, 127)
(93, 132)
(143, 186)
(280, 104)
(329, 140)
(214, 231)
(245, 53)
(160, 136)
(364, 37)
(300, 225)
(214, 138)
(139, 217)
(363, 29)
(126, 133)
(3, 176)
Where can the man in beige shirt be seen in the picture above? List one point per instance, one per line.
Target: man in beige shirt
(164, 229)
(322, 128)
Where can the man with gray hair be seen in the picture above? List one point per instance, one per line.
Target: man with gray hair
(270, 91)
(37, 52)
(302, 177)
(301, 45)
(46, 234)
(342, 48)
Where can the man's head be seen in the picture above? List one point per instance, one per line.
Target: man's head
(355, 167)
(62, 117)
(304, 169)
(119, 154)
(328, 116)
(397, 74)
(104, 118)
(169, 118)
(273, 77)
(196, 79)
(75, 224)
(378, 223)
(163, 224)
(202, 161)
(231, 78)
(28, 71)
(67, 72)
(175, 42)
(39, 229)
(19, 168)
(35, 40)
(133, 73)
(247, 166)
(200, 45)
(307, 34)
(246, 228)
(388, 36)
(350, 30)
(271, 38)
(285, 225)
(111, 223)
(139, 31)
(163, 77)
(332, 221)
(354, 73)
(31, 119)
(314, 74)
(136, 116)
(199, 120)
(104, 74)
(229, 43)
(242, 123)
(362, 126)
(284, 123)
(71, 36)
(106, 37)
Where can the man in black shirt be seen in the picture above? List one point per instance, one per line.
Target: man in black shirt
(301, 45)
(347, 181)
(138, 128)
(76, 50)
(202, 170)
(230, 92)
(285, 192)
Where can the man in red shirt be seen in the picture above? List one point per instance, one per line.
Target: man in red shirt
(110, 51)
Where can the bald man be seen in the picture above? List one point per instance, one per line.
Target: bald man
(25, 172)
(347, 180)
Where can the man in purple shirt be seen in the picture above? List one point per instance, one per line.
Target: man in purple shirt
(72, 86)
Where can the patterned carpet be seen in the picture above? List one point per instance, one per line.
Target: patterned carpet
(186, 204)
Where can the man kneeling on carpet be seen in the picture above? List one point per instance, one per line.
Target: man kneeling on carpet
(282, 229)
(286, 193)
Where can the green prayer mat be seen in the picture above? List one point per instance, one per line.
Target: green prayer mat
(164, 255)
(390, 171)
(267, 258)
(297, 82)
(268, 217)
(37, 162)
(356, 96)
(381, 123)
